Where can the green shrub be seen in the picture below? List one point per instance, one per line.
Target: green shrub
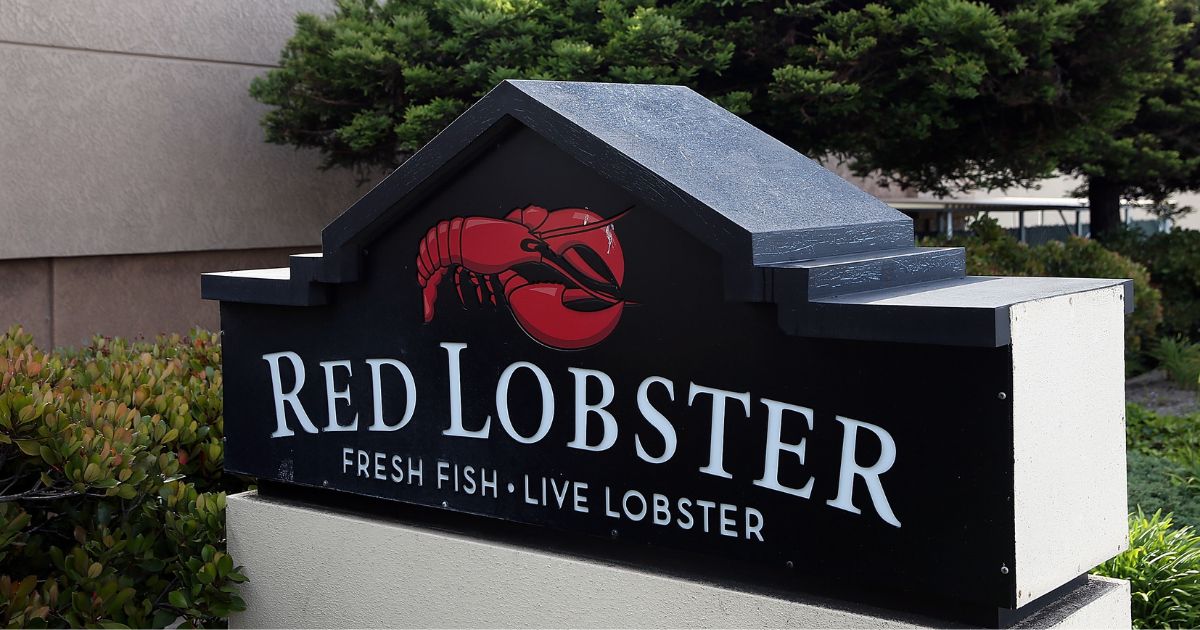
(991, 250)
(1156, 483)
(1083, 258)
(111, 488)
(1173, 259)
(1180, 359)
(1163, 569)
(1175, 437)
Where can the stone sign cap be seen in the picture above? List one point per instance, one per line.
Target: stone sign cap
(790, 231)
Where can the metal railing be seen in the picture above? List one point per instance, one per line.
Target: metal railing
(1020, 205)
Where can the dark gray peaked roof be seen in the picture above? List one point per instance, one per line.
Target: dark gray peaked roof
(735, 170)
(790, 231)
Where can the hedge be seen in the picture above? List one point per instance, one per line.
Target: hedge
(112, 495)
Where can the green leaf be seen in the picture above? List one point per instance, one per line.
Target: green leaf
(178, 599)
(91, 473)
(163, 618)
(26, 586)
(206, 574)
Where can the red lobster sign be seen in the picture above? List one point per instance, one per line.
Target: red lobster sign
(559, 272)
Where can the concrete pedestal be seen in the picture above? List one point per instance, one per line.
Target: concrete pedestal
(310, 566)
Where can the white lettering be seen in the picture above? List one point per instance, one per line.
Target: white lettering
(754, 529)
(851, 468)
(333, 395)
(410, 394)
(455, 378)
(583, 408)
(630, 514)
(397, 476)
(716, 440)
(727, 521)
(656, 420)
(776, 445)
(291, 398)
(502, 402)
(662, 515)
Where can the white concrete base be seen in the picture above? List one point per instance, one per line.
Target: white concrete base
(313, 567)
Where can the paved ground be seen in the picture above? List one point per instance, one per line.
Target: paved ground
(1154, 391)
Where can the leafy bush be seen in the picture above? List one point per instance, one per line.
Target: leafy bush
(1180, 359)
(1173, 259)
(111, 488)
(1163, 569)
(1083, 258)
(1156, 483)
(1174, 437)
(991, 250)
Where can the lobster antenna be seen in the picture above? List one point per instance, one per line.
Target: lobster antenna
(579, 229)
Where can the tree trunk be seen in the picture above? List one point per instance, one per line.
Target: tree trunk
(1104, 199)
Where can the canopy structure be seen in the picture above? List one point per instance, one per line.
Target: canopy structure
(1019, 205)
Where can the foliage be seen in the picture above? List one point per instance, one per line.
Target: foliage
(946, 94)
(376, 80)
(1164, 463)
(1158, 152)
(1173, 259)
(1163, 568)
(111, 488)
(1156, 483)
(1180, 359)
(991, 250)
(1175, 437)
(932, 93)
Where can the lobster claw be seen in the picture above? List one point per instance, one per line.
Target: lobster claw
(543, 311)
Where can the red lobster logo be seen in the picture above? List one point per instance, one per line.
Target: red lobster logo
(559, 272)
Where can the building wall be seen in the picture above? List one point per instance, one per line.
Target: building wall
(64, 301)
(126, 128)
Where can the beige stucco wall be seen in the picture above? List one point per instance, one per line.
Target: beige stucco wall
(126, 127)
(25, 296)
(64, 301)
(131, 161)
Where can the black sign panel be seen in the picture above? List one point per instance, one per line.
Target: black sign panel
(533, 343)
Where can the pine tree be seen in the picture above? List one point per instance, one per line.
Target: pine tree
(374, 81)
(1158, 153)
(942, 95)
(934, 94)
